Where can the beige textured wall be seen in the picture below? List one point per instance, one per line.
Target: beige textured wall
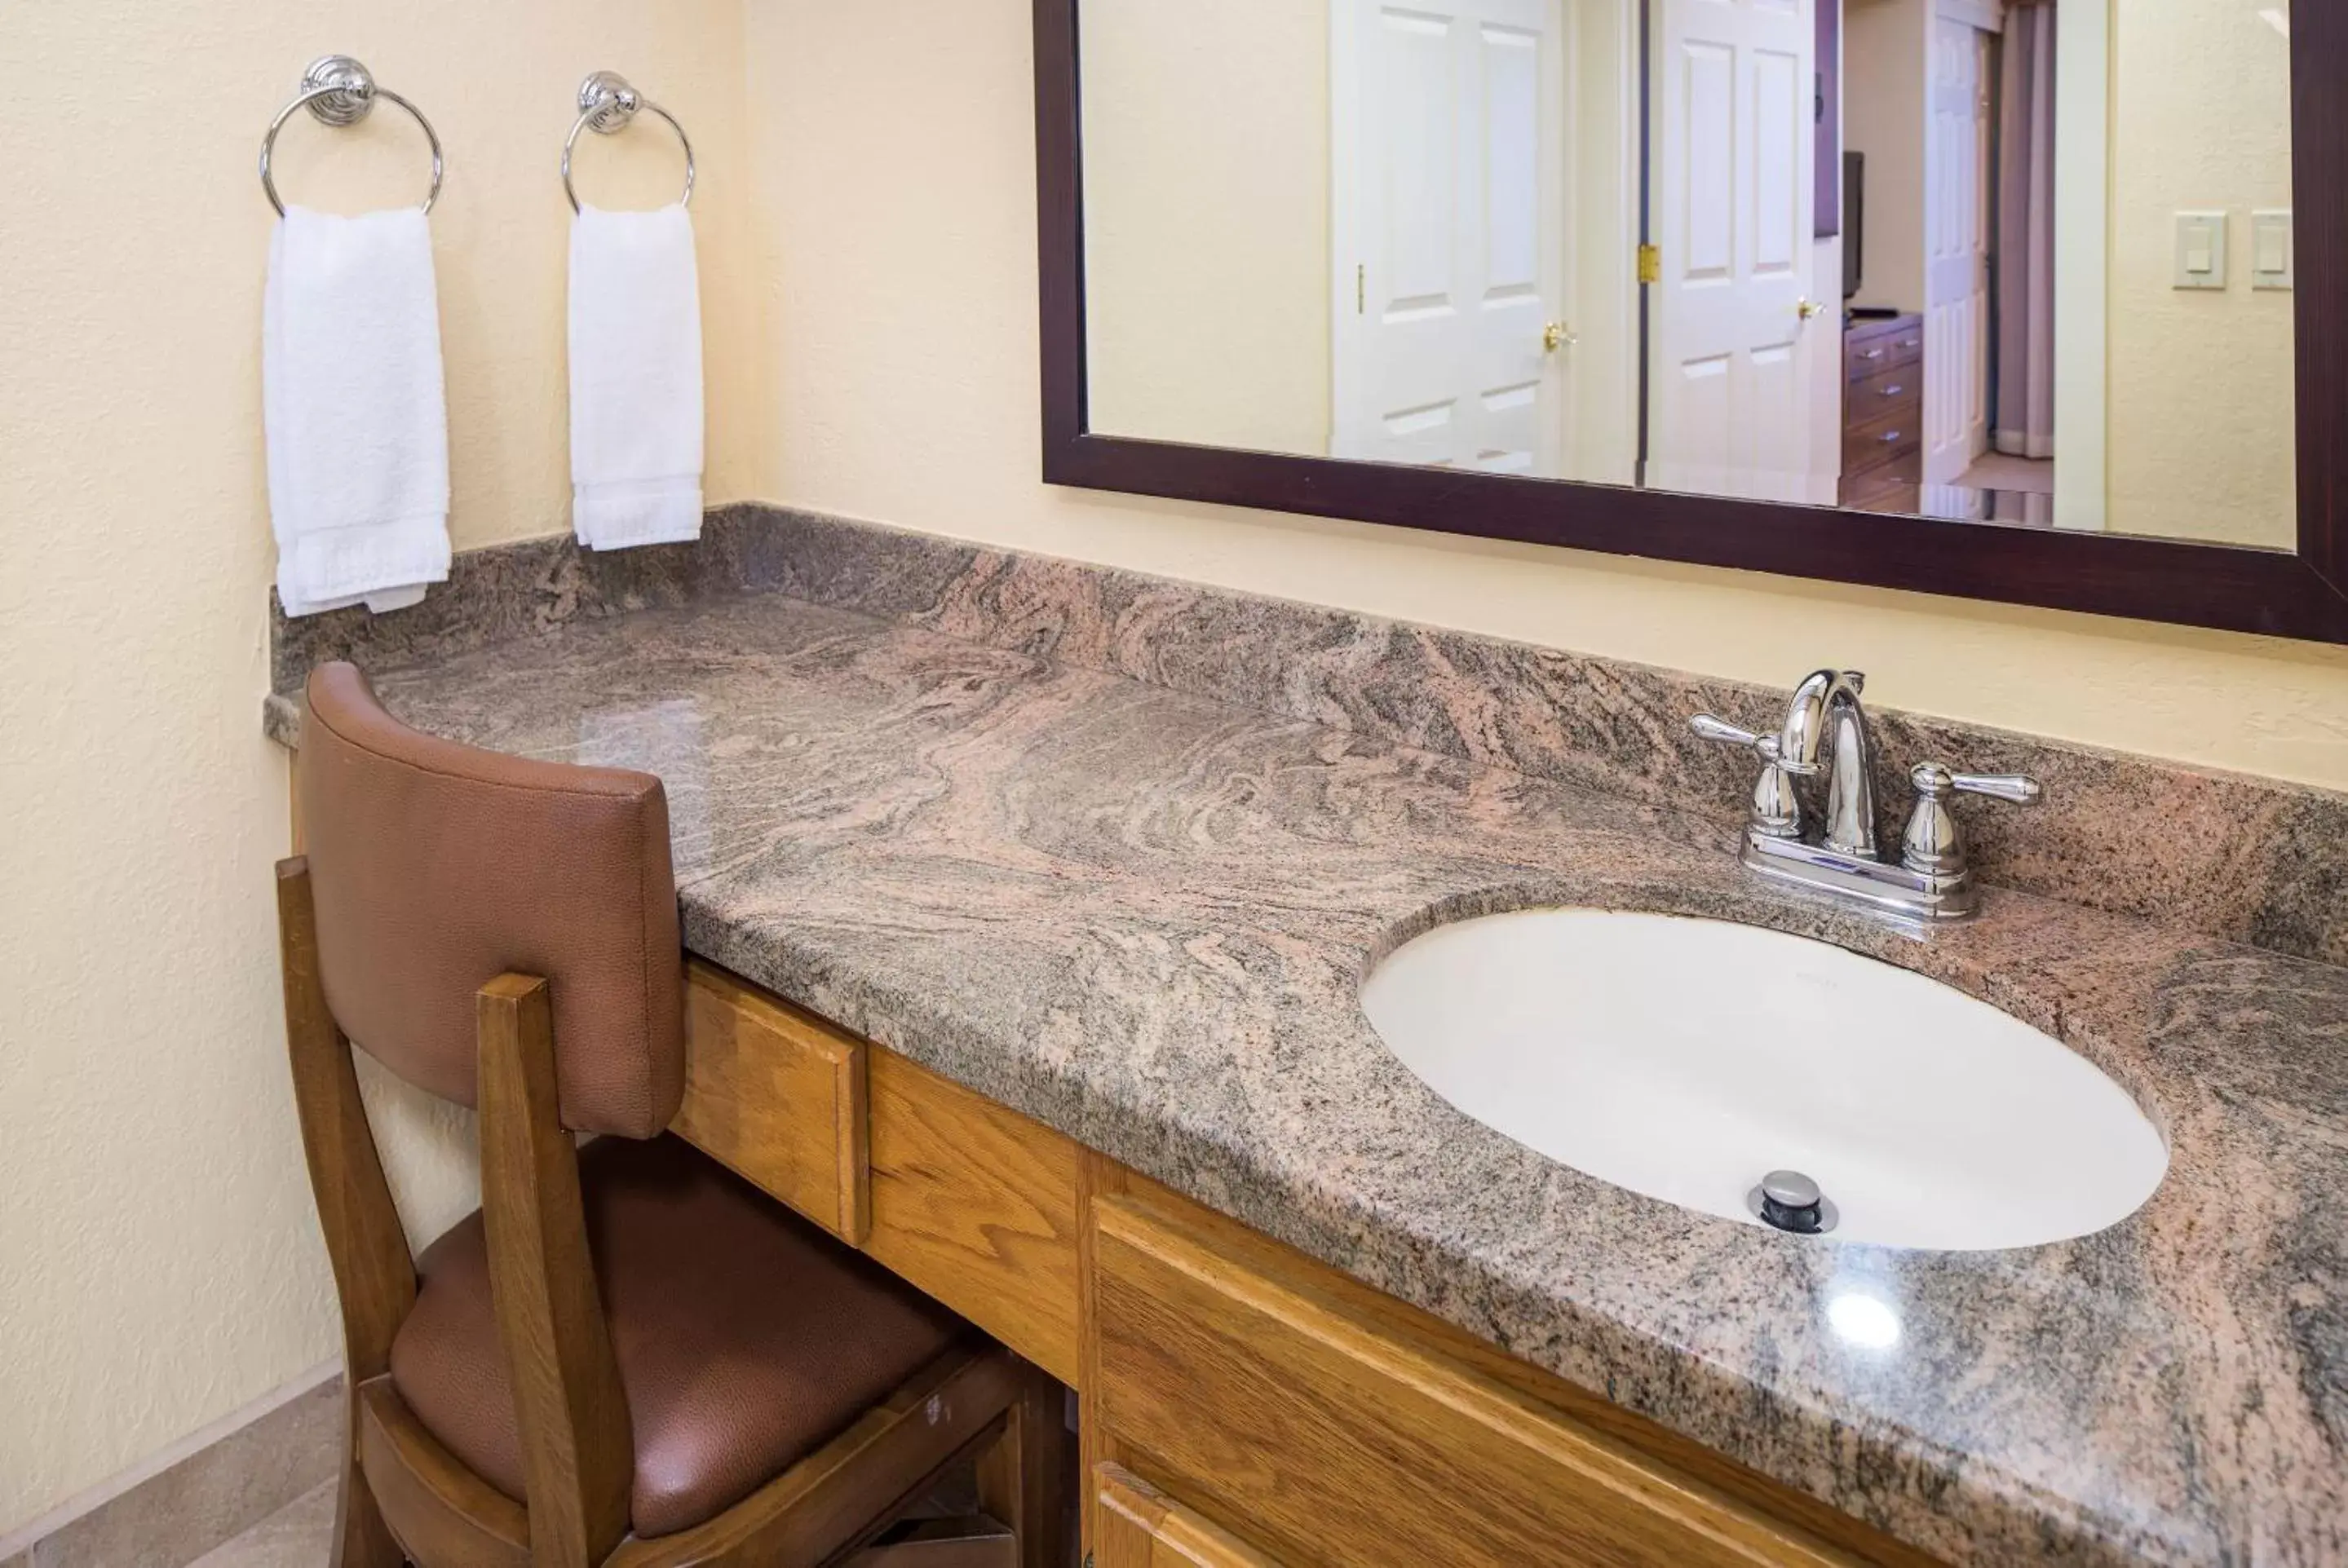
(159, 1260)
(1206, 220)
(899, 132)
(2201, 415)
(1885, 43)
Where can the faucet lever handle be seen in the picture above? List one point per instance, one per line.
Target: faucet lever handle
(1771, 748)
(1934, 844)
(2014, 789)
(1728, 735)
(1776, 811)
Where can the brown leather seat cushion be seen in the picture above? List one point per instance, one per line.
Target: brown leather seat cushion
(746, 1337)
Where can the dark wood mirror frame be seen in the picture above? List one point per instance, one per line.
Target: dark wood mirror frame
(2300, 595)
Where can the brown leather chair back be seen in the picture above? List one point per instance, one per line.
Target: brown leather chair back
(436, 868)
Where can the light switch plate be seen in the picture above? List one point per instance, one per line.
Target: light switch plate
(2270, 248)
(2200, 250)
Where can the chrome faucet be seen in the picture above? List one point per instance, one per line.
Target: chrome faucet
(1826, 734)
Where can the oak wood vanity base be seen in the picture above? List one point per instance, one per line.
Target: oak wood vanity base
(1245, 1405)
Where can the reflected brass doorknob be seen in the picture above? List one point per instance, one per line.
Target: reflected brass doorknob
(1806, 309)
(1558, 335)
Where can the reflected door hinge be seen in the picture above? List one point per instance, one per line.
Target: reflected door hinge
(1651, 263)
(1362, 289)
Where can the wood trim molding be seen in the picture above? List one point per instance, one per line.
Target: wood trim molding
(1142, 1527)
(2301, 595)
(2319, 148)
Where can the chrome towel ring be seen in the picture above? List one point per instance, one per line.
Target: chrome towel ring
(606, 106)
(339, 91)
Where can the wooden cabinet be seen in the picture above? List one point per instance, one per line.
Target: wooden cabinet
(779, 1095)
(1883, 414)
(973, 1204)
(978, 1206)
(1244, 1406)
(1267, 1392)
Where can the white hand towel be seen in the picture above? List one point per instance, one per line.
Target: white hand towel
(635, 379)
(357, 424)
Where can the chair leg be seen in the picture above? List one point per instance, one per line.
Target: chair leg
(362, 1540)
(1024, 1479)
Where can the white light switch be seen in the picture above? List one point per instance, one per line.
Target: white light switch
(2200, 250)
(2271, 250)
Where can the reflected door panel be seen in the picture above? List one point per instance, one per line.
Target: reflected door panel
(1730, 363)
(1448, 158)
(1957, 240)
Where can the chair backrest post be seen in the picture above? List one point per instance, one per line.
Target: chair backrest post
(577, 1450)
(375, 1273)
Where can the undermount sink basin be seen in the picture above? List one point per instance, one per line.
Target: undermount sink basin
(1687, 1060)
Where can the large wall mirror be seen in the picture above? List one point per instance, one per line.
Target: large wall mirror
(2031, 300)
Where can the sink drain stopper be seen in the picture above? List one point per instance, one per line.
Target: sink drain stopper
(1790, 1201)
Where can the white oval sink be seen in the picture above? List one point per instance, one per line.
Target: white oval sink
(1687, 1059)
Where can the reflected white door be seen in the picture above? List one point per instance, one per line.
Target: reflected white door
(1957, 145)
(1732, 107)
(1448, 163)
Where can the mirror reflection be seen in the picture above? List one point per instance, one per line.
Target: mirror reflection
(2022, 261)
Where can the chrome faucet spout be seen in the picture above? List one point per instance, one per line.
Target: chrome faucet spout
(1850, 783)
(1827, 734)
(1799, 743)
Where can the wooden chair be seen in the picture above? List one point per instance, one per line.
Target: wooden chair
(627, 1357)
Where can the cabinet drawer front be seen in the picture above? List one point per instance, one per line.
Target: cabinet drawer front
(1138, 1526)
(978, 1207)
(1882, 440)
(1884, 489)
(1894, 391)
(778, 1095)
(1878, 352)
(1335, 1443)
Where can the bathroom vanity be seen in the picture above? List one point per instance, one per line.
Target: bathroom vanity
(1041, 980)
(1244, 1404)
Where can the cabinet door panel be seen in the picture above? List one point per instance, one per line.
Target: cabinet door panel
(977, 1206)
(1334, 1443)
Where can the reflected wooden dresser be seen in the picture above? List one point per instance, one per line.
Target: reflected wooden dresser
(1883, 413)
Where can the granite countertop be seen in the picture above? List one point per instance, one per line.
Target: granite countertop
(1141, 916)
